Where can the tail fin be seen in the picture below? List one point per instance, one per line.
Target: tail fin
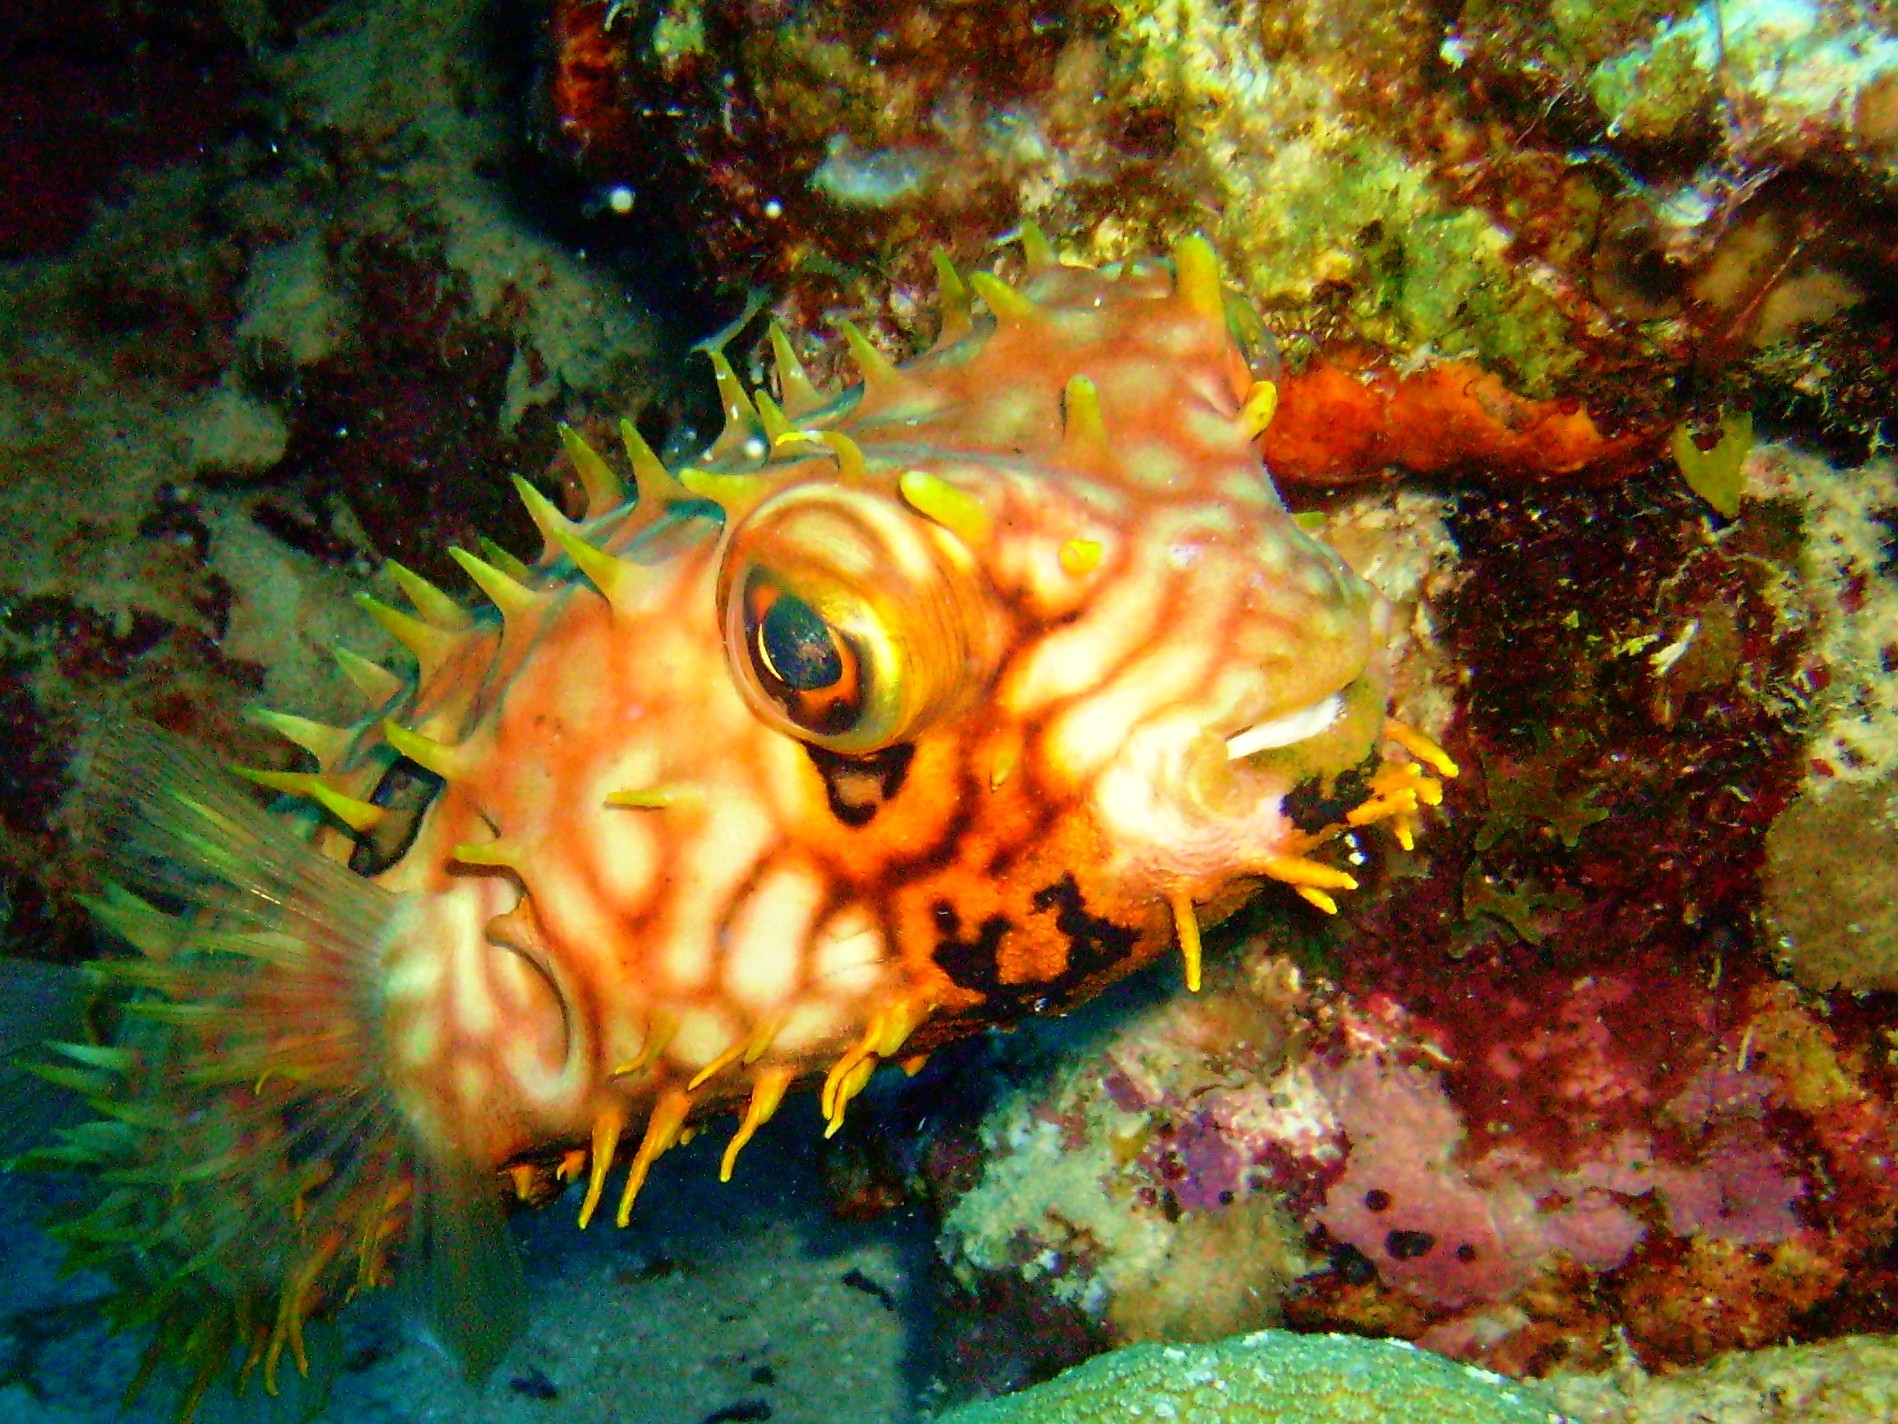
(254, 1166)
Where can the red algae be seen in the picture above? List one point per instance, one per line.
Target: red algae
(384, 424)
(1347, 417)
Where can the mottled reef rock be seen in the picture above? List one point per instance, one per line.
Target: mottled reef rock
(1649, 208)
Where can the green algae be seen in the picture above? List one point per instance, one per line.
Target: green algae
(1716, 475)
(1651, 93)
(1316, 203)
(1273, 1377)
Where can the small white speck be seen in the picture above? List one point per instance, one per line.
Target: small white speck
(773, 209)
(620, 199)
(1673, 652)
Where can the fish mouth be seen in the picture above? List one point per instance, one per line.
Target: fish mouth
(1287, 729)
(1241, 767)
(1192, 799)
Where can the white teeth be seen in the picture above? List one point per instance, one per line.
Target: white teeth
(1296, 726)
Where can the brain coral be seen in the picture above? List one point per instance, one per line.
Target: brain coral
(1273, 1377)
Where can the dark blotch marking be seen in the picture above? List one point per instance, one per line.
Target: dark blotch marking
(1354, 1268)
(1466, 1253)
(1094, 945)
(1312, 808)
(1409, 1245)
(534, 1384)
(969, 961)
(857, 786)
(406, 791)
(1377, 1199)
(877, 1291)
(746, 1411)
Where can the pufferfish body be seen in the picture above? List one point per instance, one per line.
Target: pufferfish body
(900, 713)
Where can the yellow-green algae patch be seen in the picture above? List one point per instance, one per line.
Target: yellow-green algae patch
(1312, 197)
(1273, 1377)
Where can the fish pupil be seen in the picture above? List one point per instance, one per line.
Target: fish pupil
(797, 647)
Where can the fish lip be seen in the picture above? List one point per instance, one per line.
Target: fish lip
(1234, 780)
(1287, 729)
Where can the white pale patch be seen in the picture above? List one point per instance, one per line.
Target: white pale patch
(411, 975)
(764, 946)
(419, 1036)
(703, 879)
(1244, 486)
(813, 1025)
(1178, 338)
(1140, 800)
(1156, 464)
(847, 954)
(1129, 383)
(1321, 580)
(703, 1034)
(584, 930)
(1214, 430)
(1272, 549)
(1008, 414)
(1299, 726)
(541, 1082)
(471, 996)
(471, 1083)
(1074, 659)
(1088, 735)
(624, 845)
(418, 963)
(1081, 326)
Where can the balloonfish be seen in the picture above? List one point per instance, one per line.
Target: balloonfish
(901, 712)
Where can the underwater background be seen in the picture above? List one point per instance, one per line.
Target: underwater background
(1584, 322)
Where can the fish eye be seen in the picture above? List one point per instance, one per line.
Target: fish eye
(810, 669)
(850, 622)
(405, 793)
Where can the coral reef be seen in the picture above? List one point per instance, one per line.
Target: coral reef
(1838, 1382)
(1639, 212)
(1269, 1378)
(336, 321)
(1155, 1223)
